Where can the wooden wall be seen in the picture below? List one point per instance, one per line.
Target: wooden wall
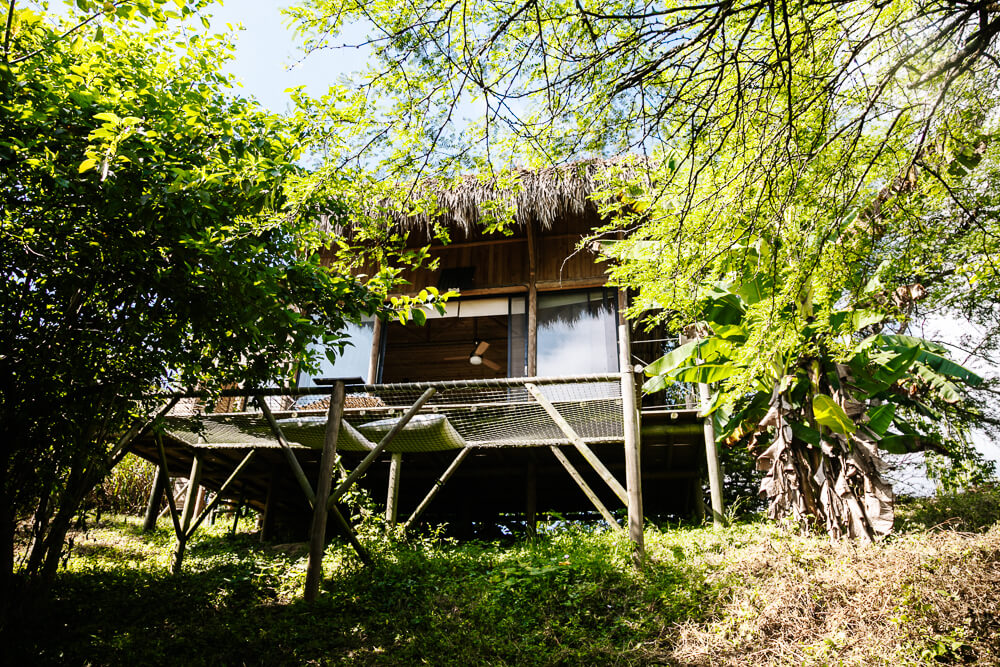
(502, 262)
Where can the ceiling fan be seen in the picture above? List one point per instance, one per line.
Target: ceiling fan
(476, 357)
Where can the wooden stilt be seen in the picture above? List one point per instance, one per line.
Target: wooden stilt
(697, 500)
(392, 494)
(380, 447)
(187, 514)
(153, 505)
(171, 504)
(630, 414)
(374, 353)
(437, 487)
(578, 442)
(317, 532)
(351, 537)
(712, 460)
(237, 513)
(587, 491)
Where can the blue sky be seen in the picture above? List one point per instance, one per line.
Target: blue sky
(267, 59)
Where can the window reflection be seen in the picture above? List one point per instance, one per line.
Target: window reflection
(577, 333)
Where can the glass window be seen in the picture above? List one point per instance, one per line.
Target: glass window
(517, 353)
(577, 333)
(353, 362)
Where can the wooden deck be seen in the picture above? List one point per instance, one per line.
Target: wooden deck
(497, 485)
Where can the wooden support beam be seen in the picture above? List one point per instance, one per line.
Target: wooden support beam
(373, 355)
(187, 514)
(383, 443)
(457, 461)
(532, 361)
(712, 460)
(171, 505)
(631, 416)
(580, 445)
(293, 463)
(222, 489)
(317, 532)
(153, 504)
(587, 491)
(392, 494)
(237, 512)
(351, 536)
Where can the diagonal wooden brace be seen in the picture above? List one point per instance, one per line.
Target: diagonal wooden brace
(437, 487)
(222, 489)
(587, 491)
(171, 505)
(304, 484)
(580, 445)
(383, 443)
(293, 463)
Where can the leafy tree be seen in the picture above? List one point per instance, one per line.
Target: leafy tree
(835, 157)
(154, 233)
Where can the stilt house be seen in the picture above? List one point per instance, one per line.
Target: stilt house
(519, 404)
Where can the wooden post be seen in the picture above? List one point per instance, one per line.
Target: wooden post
(437, 487)
(392, 494)
(187, 514)
(317, 533)
(580, 445)
(373, 355)
(587, 491)
(153, 505)
(171, 504)
(237, 512)
(630, 414)
(712, 460)
(532, 332)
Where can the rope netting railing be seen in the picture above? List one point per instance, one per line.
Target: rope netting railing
(489, 413)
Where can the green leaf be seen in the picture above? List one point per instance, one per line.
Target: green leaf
(704, 374)
(419, 316)
(89, 163)
(907, 443)
(672, 359)
(829, 414)
(880, 418)
(806, 433)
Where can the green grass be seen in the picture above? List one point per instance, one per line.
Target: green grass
(752, 594)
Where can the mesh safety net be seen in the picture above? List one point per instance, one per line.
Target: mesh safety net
(490, 413)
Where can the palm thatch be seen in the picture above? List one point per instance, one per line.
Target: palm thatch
(542, 196)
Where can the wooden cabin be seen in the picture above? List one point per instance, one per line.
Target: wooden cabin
(532, 365)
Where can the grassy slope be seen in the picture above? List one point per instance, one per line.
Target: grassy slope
(753, 594)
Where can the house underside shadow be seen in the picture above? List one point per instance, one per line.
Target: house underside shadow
(482, 456)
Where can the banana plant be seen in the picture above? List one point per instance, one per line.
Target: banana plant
(818, 416)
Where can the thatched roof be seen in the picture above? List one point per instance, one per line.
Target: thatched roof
(543, 196)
